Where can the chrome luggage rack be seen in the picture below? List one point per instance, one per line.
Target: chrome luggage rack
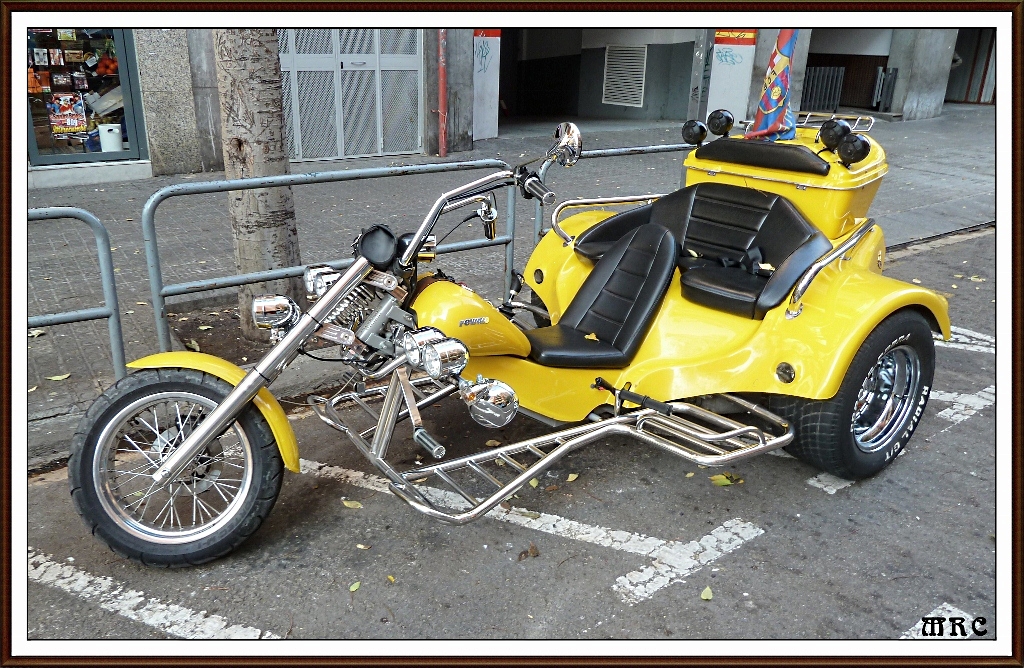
(481, 481)
(814, 119)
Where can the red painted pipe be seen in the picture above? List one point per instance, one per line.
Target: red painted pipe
(442, 93)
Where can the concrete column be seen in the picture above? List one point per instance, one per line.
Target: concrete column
(700, 74)
(923, 57)
(797, 67)
(460, 90)
(168, 101)
(207, 100)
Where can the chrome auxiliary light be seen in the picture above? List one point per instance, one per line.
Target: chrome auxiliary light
(414, 342)
(447, 357)
(276, 313)
(491, 403)
(318, 279)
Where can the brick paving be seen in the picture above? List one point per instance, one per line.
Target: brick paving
(941, 178)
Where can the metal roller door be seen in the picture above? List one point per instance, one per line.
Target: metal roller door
(351, 92)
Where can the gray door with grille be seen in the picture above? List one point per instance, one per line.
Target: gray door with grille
(351, 92)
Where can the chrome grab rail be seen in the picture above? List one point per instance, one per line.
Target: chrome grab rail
(597, 201)
(822, 262)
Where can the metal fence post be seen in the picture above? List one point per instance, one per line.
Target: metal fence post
(510, 232)
(110, 311)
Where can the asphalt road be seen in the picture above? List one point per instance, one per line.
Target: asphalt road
(788, 554)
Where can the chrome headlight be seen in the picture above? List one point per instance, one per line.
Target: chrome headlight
(414, 342)
(318, 279)
(445, 358)
(270, 311)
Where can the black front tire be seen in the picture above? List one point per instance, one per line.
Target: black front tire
(219, 501)
(862, 429)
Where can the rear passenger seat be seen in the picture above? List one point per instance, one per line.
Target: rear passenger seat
(727, 232)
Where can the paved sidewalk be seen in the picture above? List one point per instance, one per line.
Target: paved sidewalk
(941, 178)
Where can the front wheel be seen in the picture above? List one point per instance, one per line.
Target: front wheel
(868, 422)
(218, 501)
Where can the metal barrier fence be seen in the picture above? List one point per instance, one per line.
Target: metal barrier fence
(160, 291)
(110, 310)
(538, 220)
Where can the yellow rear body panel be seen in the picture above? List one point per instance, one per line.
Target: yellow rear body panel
(228, 372)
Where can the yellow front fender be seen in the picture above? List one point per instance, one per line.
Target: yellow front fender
(226, 371)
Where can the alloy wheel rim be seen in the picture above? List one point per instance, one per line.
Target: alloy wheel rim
(885, 399)
(207, 495)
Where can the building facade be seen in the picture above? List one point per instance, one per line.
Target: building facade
(113, 104)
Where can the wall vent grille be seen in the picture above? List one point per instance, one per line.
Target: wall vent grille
(625, 68)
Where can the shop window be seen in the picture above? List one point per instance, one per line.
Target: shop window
(82, 96)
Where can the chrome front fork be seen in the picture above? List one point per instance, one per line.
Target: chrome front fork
(262, 374)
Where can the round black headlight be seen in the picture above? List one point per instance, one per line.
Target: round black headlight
(378, 245)
(832, 132)
(720, 122)
(853, 148)
(694, 132)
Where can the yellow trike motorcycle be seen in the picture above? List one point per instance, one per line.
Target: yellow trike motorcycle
(743, 313)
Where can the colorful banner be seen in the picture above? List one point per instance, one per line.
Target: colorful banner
(774, 118)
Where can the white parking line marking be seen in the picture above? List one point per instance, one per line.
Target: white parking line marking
(966, 339)
(829, 483)
(114, 596)
(945, 610)
(673, 560)
(964, 405)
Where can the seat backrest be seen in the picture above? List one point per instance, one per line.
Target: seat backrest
(619, 297)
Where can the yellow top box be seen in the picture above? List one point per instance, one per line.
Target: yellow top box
(828, 193)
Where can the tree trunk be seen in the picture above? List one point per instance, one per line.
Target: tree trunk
(262, 220)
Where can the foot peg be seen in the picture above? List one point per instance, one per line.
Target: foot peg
(428, 442)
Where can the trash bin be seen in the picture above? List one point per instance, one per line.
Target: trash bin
(110, 137)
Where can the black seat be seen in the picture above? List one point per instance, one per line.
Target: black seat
(608, 318)
(725, 231)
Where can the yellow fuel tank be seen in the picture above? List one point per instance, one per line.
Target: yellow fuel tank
(462, 314)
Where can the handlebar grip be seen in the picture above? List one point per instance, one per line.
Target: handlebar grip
(536, 187)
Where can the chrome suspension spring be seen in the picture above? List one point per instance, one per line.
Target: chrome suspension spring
(356, 306)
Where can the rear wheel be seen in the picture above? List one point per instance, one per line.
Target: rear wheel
(218, 501)
(868, 422)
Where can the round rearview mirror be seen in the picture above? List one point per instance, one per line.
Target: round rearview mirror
(568, 145)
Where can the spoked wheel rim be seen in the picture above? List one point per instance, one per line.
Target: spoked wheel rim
(208, 494)
(886, 397)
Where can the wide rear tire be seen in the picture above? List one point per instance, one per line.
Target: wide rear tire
(869, 421)
(220, 499)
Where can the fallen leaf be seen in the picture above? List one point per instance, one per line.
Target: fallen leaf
(916, 280)
(572, 476)
(205, 327)
(523, 555)
(534, 482)
(182, 319)
(720, 480)
(492, 443)
(690, 474)
(33, 388)
(954, 286)
(354, 586)
(977, 279)
(202, 262)
(64, 377)
(391, 579)
(591, 336)
(418, 481)
(529, 513)
(113, 248)
(36, 333)
(245, 359)
(706, 594)
(362, 547)
(504, 504)
(551, 488)
(141, 303)
(216, 313)
(958, 275)
(192, 345)
(534, 552)
(128, 312)
(501, 462)
(352, 504)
